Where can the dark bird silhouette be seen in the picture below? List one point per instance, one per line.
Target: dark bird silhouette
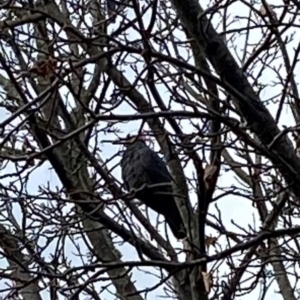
(112, 7)
(115, 6)
(142, 166)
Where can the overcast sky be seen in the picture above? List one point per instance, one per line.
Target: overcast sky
(232, 208)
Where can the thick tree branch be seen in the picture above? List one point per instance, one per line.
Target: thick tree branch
(25, 283)
(258, 118)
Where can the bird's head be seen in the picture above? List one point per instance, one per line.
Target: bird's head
(132, 139)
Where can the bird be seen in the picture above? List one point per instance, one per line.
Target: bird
(113, 7)
(140, 167)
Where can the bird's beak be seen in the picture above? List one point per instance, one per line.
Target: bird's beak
(131, 140)
(120, 142)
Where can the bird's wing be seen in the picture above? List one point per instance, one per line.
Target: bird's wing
(156, 167)
(143, 166)
(132, 171)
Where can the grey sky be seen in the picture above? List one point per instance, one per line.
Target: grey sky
(232, 208)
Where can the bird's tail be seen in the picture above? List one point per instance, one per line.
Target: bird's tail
(177, 227)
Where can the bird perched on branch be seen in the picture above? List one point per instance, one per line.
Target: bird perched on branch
(115, 6)
(142, 167)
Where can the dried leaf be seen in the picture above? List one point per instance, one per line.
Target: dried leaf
(262, 250)
(25, 145)
(208, 281)
(31, 162)
(209, 173)
(181, 81)
(264, 12)
(44, 67)
(210, 241)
